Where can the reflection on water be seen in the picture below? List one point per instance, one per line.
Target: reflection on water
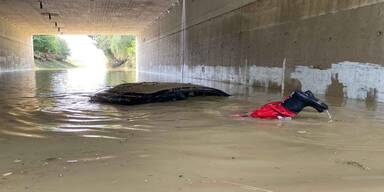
(46, 105)
(57, 101)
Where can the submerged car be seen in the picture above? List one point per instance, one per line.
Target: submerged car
(152, 92)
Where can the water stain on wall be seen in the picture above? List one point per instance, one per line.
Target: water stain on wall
(356, 80)
(335, 91)
(371, 99)
(353, 80)
(293, 85)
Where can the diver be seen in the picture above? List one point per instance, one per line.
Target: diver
(290, 107)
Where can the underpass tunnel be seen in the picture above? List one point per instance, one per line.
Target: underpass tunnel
(20, 20)
(239, 42)
(57, 135)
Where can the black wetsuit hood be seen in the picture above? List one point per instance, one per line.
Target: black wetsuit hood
(299, 100)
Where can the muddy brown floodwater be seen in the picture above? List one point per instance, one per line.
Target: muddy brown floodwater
(53, 140)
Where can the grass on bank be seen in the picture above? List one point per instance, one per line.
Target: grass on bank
(53, 65)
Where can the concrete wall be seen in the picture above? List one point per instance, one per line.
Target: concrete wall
(333, 47)
(16, 52)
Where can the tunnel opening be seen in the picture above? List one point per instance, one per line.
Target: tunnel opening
(60, 52)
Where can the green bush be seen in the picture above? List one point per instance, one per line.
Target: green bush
(119, 49)
(50, 44)
(123, 47)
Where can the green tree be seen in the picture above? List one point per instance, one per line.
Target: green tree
(63, 50)
(103, 42)
(119, 49)
(123, 47)
(44, 44)
(51, 52)
(50, 44)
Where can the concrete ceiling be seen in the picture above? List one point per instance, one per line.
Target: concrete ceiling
(83, 16)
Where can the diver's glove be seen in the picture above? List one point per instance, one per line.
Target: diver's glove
(299, 100)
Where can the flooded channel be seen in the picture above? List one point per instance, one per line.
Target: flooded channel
(53, 139)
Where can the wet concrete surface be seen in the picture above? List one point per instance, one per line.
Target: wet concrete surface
(53, 139)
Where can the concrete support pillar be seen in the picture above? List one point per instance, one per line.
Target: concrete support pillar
(16, 50)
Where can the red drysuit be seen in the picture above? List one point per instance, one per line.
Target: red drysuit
(272, 110)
